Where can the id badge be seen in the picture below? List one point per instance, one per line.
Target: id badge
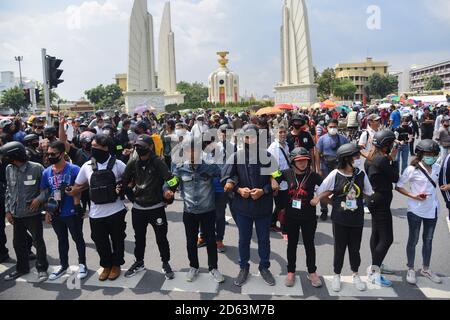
(297, 204)
(351, 204)
(57, 195)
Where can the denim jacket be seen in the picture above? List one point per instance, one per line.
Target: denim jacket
(197, 188)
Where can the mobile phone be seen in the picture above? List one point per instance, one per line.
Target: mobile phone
(423, 195)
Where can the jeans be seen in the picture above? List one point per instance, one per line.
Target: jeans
(192, 223)
(157, 218)
(429, 225)
(403, 154)
(347, 237)
(107, 231)
(308, 228)
(245, 226)
(62, 227)
(222, 199)
(21, 228)
(3, 249)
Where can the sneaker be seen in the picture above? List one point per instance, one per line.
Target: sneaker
(192, 274)
(137, 267)
(14, 275)
(42, 276)
(359, 284)
(290, 280)
(241, 278)
(377, 279)
(82, 271)
(336, 283)
(58, 273)
(411, 277)
(324, 216)
(167, 269)
(201, 242)
(267, 277)
(217, 276)
(220, 246)
(431, 275)
(386, 270)
(315, 280)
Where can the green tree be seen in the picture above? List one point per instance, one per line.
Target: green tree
(105, 97)
(14, 98)
(196, 93)
(434, 83)
(344, 88)
(380, 86)
(326, 82)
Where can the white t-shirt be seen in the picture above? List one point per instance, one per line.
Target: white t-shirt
(69, 132)
(274, 150)
(330, 180)
(102, 210)
(419, 183)
(366, 139)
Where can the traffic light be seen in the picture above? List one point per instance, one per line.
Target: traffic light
(26, 93)
(53, 72)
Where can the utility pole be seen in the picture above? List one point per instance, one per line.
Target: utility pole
(46, 84)
(20, 59)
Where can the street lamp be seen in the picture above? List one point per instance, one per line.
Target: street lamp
(20, 59)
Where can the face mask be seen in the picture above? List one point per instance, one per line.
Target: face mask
(430, 160)
(357, 163)
(54, 160)
(297, 127)
(333, 131)
(100, 156)
(321, 123)
(142, 151)
(35, 145)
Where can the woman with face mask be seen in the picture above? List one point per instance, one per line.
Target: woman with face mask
(423, 205)
(382, 171)
(348, 184)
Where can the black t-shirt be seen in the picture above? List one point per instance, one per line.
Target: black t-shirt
(303, 139)
(403, 133)
(427, 126)
(381, 173)
(306, 194)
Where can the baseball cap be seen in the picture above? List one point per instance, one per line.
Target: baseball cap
(373, 117)
(144, 140)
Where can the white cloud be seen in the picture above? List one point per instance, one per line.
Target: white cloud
(439, 8)
(91, 13)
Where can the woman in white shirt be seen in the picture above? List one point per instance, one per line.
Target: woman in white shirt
(423, 205)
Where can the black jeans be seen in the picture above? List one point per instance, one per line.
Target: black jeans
(62, 227)
(347, 237)
(411, 147)
(3, 249)
(222, 199)
(21, 228)
(157, 218)
(192, 222)
(105, 231)
(308, 228)
(382, 231)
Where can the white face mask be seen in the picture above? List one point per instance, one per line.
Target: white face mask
(357, 163)
(333, 131)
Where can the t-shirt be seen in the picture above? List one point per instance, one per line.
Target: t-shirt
(51, 180)
(102, 210)
(366, 139)
(396, 119)
(427, 129)
(382, 174)
(404, 133)
(328, 144)
(303, 139)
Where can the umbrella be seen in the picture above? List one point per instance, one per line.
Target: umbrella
(395, 98)
(285, 106)
(345, 108)
(142, 108)
(384, 106)
(268, 111)
(329, 104)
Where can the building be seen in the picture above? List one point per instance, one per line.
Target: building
(419, 76)
(359, 73)
(223, 84)
(7, 80)
(121, 81)
(403, 78)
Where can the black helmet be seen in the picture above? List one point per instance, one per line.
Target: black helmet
(99, 113)
(14, 150)
(30, 137)
(142, 124)
(299, 154)
(299, 118)
(347, 150)
(225, 127)
(49, 130)
(428, 145)
(86, 139)
(383, 138)
(250, 127)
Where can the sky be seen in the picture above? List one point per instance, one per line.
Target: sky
(92, 37)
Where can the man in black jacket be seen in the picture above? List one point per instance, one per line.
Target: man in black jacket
(146, 175)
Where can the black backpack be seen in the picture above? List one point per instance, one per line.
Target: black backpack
(102, 187)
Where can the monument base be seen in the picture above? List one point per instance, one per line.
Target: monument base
(176, 98)
(151, 99)
(299, 95)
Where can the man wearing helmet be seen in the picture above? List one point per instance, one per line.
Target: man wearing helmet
(31, 142)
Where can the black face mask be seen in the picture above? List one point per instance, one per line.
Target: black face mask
(35, 145)
(54, 160)
(87, 147)
(100, 156)
(297, 127)
(142, 151)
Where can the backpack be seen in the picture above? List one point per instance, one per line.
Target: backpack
(102, 189)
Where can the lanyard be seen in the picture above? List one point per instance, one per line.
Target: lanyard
(302, 184)
(60, 175)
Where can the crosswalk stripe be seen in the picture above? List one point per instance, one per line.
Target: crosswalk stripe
(5, 267)
(202, 284)
(349, 290)
(121, 282)
(433, 290)
(32, 277)
(255, 285)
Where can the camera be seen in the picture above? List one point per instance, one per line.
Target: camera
(52, 207)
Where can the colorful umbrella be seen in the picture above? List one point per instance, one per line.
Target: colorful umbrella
(396, 98)
(285, 106)
(345, 108)
(329, 104)
(268, 111)
(316, 105)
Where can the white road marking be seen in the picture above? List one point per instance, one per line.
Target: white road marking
(121, 282)
(433, 290)
(32, 277)
(204, 283)
(228, 218)
(5, 267)
(349, 290)
(255, 285)
(448, 224)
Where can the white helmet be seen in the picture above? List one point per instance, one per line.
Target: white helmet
(4, 123)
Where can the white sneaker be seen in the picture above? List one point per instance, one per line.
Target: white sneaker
(192, 274)
(359, 284)
(411, 277)
(431, 275)
(336, 284)
(82, 272)
(217, 276)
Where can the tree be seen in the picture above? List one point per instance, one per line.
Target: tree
(434, 83)
(196, 93)
(344, 88)
(380, 86)
(105, 97)
(326, 81)
(55, 99)
(316, 75)
(14, 98)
